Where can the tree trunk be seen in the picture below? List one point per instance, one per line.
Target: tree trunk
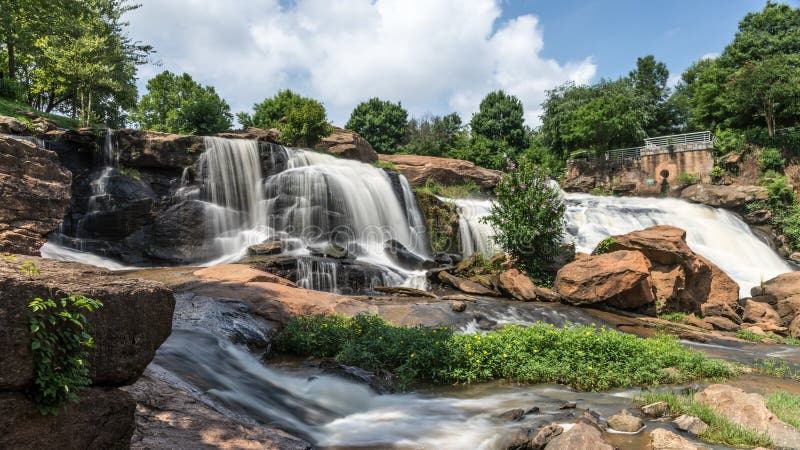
(769, 114)
(12, 60)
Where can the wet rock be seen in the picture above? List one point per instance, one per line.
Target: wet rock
(721, 323)
(381, 381)
(593, 418)
(757, 312)
(441, 223)
(518, 285)
(177, 236)
(625, 421)
(459, 297)
(512, 415)
(657, 409)
(581, 183)
(419, 169)
(265, 248)
(470, 287)
(722, 196)
(404, 257)
(750, 411)
(759, 217)
(404, 291)
(621, 279)
(240, 273)
(568, 405)
(530, 440)
(458, 306)
(347, 144)
(330, 250)
(583, 436)
(10, 125)
(36, 193)
(547, 295)
(135, 319)
(102, 419)
(690, 424)
(661, 439)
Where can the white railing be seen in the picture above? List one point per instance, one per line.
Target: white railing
(700, 137)
(686, 142)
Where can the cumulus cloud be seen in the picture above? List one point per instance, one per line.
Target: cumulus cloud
(433, 55)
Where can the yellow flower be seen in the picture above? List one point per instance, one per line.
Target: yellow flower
(588, 333)
(469, 353)
(536, 350)
(413, 355)
(505, 356)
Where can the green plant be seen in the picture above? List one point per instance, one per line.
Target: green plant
(59, 340)
(779, 191)
(677, 317)
(717, 173)
(786, 406)
(753, 337)
(433, 187)
(687, 178)
(29, 268)
(381, 123)
(604, 245)
(771, 159)
(729, 141)
(387, 165)
(776, 368)
(130, 172)
(528, 217)
(599, 190)
(720, 430)
(12, 90)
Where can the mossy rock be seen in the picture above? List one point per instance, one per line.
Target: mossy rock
(441, 222)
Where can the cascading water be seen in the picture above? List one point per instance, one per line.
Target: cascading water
(475, 234)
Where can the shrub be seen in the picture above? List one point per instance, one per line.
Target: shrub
(771, 159)
(12, 90)
(599, 190)
(465, 190)
(717, 173)
(790, 226)
(605, 245)
(301, 120)
(753, 337)
(687, 178)
(582, 357)
(59, 340)
(779, 191)
(528, 216)
(786, 406)
(729, 141)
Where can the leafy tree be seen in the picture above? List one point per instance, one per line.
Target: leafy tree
(381, 123)
(771, 87)
(483, 152)
(773, 31)
(434, 135)
(301, 120)
(178, 104)
(650, 82)
(501, 119)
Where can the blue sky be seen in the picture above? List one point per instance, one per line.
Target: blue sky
(435, 56)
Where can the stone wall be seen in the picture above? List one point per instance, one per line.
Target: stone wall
(648, 175)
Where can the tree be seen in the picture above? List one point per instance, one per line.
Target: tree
(301, 120)
(771, 87)
(773, 31)
(381, 123)
(650, 82)
(434, 135)
(500, 118)
(178, 104)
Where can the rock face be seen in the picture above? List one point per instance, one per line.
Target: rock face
(135, 319)
(721, 196)
(625, 421)
(582, 435)
(441, 223)
(419, 169)
(11, 125)
(620, 279)
(102, 419)
(470, 287)
(749, 411)
(35, 195)
(783, 294)
(517, 285)
(348, 144)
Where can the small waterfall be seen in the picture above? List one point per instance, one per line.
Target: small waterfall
(108, 160)
(476, 236)
(317, 275)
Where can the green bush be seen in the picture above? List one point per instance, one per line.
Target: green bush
(12, 90)
(465, 190)
(582, 357)
(717, 173)
(771, 159)
(528, 216)
(687, 178)
(790, 226)
(779, 191)
(302, 121)
(604, 245)
(729, 141)
(59, 340)
(753, 337)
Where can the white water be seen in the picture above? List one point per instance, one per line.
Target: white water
(52, 250)
(476, 236)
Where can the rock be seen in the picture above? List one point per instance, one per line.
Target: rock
(512, 415)
(144, 149)
(332, 250)
(748, 410)
(620, 279)
(721, 196)
(783, 292)
(625, 421)
(580, 183)
(581, 436)
(568, 405)
(253, 134)
(757, 312)
(419, 169)
(795, 257)
(518, 285)
(690, 424)
(459, 297)
(265, 248)
(404, 257)
(545, 435)
(102, 419)
(404, 291)
(10, 125)
(759, 217)
(470, 287)
(546, 295)
(441, 222)
(756, 330)
(794, 328)
(381, 381)
(721, 323)
(657, 409)
(135, 319)
(347, 144)
(661, 439)
(176, 236)
(458, 306)
(35, 195)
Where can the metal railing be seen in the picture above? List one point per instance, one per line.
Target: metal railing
(657, 145)
(700, 137)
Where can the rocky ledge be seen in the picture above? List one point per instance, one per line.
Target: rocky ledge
(419, 169)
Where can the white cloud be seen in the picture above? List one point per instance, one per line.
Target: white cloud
(712, 55)
(433, 55)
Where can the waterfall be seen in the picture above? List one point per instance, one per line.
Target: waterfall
(108, 160)
(475, 235)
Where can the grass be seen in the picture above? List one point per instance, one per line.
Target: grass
(597, 190)
(677, 317)
(12, 109)
(720, 430)
(465, 190)
(786, 406)
(130, 172)
(752, 337)
(388, 165)
(777, 368)
(582, 357)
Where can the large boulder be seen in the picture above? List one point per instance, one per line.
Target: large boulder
(35, 195)
(722, 196)
(135, 319)
(582, 435)
(748, 410)
(441, 222)
(620, 279)
(419, 169)
(10, 125)
(102, 419)
(783, 293)
(348, 144)
(518, 285)
(663, 439)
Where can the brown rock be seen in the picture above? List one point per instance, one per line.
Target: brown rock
(441, 222)
(721, 196)
(517, 285)
(419, 169)
(35, 195)
(135, 319)
(621, 279)
(723, 294)
(625, 421)
(794, 328)
(459, 297)
(512, 415)
(470, 287)
(757, 312)
(458, 306)
(547, 295)
(582, 435)
(690, 424)
(102, 419)
(253, 134)
(788, 309)
(265, 248)
(721, 323)
(756, 330)
(10, 125)
(749, 411)
(580, 183)
(780, 288)
(545, 435)
(348, 144)
(657, 409)
(240, 273)
(404, 291)
(661, 439)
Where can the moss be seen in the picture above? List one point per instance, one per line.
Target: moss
(387, 165)
(441, 222)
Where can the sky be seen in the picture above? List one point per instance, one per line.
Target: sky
(433, 56)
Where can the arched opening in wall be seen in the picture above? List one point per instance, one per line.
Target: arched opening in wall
(664, 182)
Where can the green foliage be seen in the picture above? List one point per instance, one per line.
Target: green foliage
(130, 172)
(789, 223)
(465, 190)
(12, 90)
(29, 268)
(677, 317)
(729, 141)
(434, 135)
(302, 121)
(720, 430)
(777, 368)
(528, 216)
(779, 190)
(604, 245)
(599, 190)
(687, 178)
(483, 152)
(768, 88)
(13, 109)
(387, 165)
(753, 337)
(581, 357)
(500, 119)
(381, 123)
(59, 340)
(771, 159)
(178, 104)
(717, 173)
(786, 406)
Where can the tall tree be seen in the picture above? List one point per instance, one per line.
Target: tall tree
(650, 81)
(301, 120)
(500, 118)
(771, 87)
(434, 135)
(381, 123)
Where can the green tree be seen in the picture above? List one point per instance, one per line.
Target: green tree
(773, 31)
(178, 104)
(650, 82)
(381, 123)
(500, 118)
(434, 135)
(770, 87)
(301, 120)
